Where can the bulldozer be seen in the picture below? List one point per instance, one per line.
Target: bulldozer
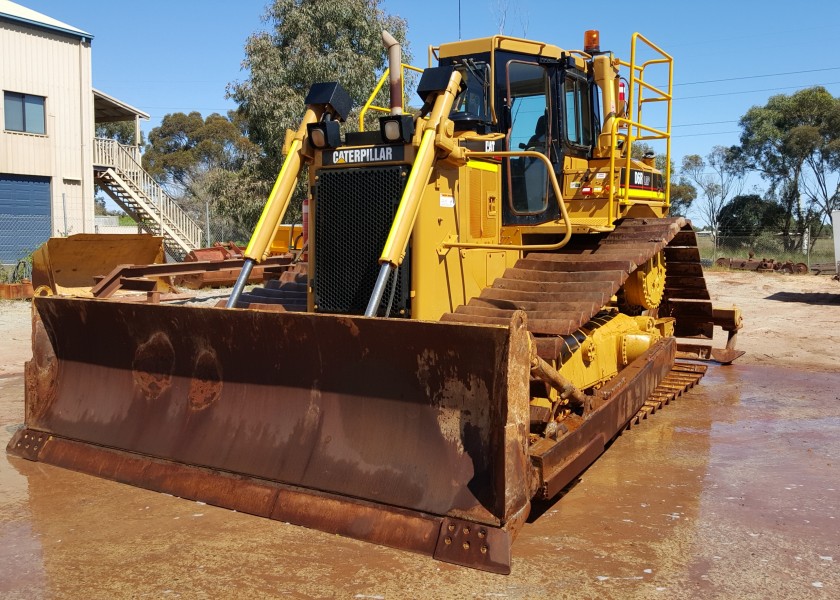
(493, 290)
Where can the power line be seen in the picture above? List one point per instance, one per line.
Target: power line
(759, 76)
(181, 107)
(730, 93)
(706, 123)
(700, 134)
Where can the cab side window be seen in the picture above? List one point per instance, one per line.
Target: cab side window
(577, 111)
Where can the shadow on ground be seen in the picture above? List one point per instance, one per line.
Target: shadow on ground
(806, 298)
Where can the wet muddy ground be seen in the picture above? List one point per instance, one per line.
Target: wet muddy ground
(733, 491)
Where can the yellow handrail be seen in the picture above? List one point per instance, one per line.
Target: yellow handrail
(634, 124)
(369, 105)
(657, 134)
(557, 193)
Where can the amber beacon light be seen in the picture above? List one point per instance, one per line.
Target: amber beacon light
(592, 41)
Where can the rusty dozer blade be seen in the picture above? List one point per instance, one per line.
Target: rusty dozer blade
(404, 433)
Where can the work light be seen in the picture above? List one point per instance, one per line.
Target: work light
(397, 128)
(326, 134)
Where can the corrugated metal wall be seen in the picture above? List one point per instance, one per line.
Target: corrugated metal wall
(25, 216)
(57, 67)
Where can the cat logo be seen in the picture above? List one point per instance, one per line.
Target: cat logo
(363, 155)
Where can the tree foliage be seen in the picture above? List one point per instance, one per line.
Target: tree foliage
(122, 131)
(186, 146)
(794, 143)
(307, 41)
(718, 181)
(195, 159)
(683, 194)
(748, 216)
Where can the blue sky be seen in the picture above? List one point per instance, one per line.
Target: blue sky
(179, 55)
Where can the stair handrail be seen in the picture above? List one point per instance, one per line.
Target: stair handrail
(110, 153)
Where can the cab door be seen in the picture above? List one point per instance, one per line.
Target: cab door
(531, 125)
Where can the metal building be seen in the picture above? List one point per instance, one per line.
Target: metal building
(49, 156)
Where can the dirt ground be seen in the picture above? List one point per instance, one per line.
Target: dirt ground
(789, 320)
(733, 491)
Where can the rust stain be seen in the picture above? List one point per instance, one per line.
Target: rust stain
(152, 367)
(206, 382)
(351, 326)
(41, 373)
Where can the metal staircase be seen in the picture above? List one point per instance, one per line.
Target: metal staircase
(118, 171)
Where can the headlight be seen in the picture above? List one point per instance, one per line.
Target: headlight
(397, 129)
(326, 134)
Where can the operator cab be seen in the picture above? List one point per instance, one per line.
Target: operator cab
(538, 104)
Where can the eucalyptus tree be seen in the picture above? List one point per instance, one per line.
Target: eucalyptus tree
(718, 180)
(305, 41)
(793, 142)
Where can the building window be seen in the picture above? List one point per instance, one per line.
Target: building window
(24, 112)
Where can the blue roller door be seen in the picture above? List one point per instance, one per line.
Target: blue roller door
(25, 221)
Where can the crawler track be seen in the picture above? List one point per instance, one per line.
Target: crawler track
(562, 291)
(289, 291)
(682, 377)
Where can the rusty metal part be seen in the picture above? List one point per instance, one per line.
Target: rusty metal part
(823, 268)
(681, 378)
(548, 286)
(566, 390)
(220, 251)
(435, 426)
(17, 291)
(559, 462)
(765, 265)
(731, 321)
(395, 84)
(289, 291)
(217, 279)
(560, 291)
(723, 356)
(69, 266)
(726, 356)
(471, 545)
(137, 276)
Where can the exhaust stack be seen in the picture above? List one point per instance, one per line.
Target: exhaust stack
(395, 69)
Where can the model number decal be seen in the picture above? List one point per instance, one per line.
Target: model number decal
(643, 180)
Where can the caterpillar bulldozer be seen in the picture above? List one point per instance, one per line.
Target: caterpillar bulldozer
(493, 290)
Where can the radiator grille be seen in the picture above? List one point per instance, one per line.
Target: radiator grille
(354, 210)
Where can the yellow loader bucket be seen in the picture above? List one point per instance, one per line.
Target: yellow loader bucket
(405, 433)
(68, 266)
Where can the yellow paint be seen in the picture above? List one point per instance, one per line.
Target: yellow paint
(278, 200)
(443, 279)
(645, 287)
(484, 166)
(408, 210)
(287, 238)
(615, 344)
